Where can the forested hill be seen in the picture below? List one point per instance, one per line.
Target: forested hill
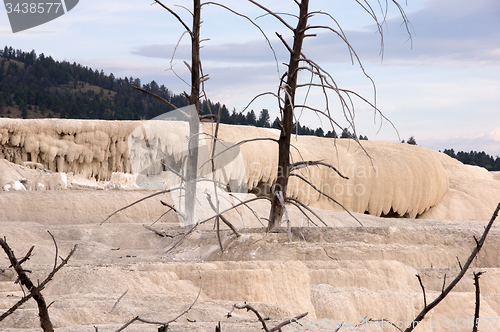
(37, 86)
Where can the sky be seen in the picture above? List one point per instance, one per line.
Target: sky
(440, 84)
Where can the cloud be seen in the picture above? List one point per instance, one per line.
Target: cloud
(250, 52)
(494, 134)
(446, 32)
(449, 32)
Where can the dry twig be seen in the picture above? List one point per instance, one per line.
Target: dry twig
(263, 320)
(164, 325)
(455, 281)
(34, 291)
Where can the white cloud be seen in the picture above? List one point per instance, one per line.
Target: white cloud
(494, 134)
(446, 32)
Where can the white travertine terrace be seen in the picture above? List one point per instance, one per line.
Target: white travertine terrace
(90, 147)
(384, 178)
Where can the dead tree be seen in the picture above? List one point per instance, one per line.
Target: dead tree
(290, 89)
(35, 292)
(289, 85)
(190, 176)
(194, 99)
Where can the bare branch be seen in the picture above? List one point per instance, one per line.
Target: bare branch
(366, 321)
(455, 281)
(302, 164)
(34, 291)
(185, 8)
(299, 203)
(405, 20)
(252, 309)
(119, 299)
(260, 95)
(172, 207)
(327, 196)
(188, 66)
(163, 100)
(248, 207)
(176, 16)
(27, 256)
(253, 23)
(288, 321)
(15, 306)
(263, 320)
(172, 65)
(423, 290)
(343, 36)
(217, 223)
(140, 200)
(270, 12)
(277, 13)
(60, 266)
(189, 308)
(57, 249)
(302, 211)
(224, 219)
(157, 232)
(163, 324)
(240, 143)
(279, 194)
(459, 264)
(284, 42)
(137, 318)
(163, 214)
(205, 220)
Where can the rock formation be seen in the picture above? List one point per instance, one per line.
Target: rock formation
(385, 179)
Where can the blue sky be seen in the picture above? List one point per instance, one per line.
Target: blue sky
(443, 86)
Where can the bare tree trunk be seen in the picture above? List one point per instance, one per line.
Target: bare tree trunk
(194, 99)
(478, 301)
(287, 121)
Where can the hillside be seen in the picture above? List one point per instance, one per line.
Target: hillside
(38, 86)
(34, 87)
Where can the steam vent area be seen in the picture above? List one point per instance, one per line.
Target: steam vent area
(412, 211)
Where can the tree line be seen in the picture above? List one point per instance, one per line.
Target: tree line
(476, 158)
(38, 83)
(469, 158)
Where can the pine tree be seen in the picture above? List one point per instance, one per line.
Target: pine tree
(412, 140)
(263, 120)
(251, 119)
